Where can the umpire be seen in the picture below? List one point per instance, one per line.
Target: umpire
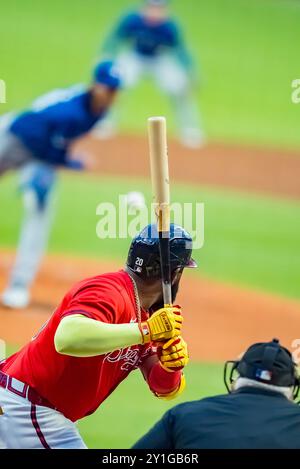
(258, 412)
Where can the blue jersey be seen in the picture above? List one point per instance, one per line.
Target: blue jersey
(53, 122)
(148, 39)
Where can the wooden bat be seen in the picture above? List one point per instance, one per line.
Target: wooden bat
(157, 132)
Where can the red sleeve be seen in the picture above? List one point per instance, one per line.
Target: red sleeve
(102, 302)
(161, 381)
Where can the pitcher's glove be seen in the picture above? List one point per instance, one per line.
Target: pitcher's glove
(162, 325)
(173, 355)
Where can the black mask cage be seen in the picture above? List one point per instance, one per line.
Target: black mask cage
(230, 367)
(232, 371)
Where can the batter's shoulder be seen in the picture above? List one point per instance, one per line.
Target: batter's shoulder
(111, 281)
(105, 296)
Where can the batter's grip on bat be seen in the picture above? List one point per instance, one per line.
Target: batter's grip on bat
(162, 325)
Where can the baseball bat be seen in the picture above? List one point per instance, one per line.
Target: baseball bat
(157, 133)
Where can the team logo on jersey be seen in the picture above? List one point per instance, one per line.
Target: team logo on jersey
(129, 358)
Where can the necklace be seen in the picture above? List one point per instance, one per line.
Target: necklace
(137, 301)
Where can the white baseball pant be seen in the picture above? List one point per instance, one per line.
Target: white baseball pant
(24, 425)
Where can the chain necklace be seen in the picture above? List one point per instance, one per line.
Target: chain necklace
(137, 300)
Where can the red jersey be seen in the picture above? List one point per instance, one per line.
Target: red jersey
(77, 386)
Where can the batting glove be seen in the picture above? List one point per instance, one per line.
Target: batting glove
(162, 325)
(173, 355)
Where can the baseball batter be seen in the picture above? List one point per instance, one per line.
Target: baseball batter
(38, 141)
(104, 328)
(150, 43)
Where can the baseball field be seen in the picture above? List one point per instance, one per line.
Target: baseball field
(246, 288)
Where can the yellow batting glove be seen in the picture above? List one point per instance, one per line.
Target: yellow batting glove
(174, 354)
(162, 325)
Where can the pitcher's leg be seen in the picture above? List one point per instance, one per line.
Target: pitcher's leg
(37, 186)
(13, 154)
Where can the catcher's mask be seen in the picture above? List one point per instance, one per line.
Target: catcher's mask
(144, 257)
(266, 362)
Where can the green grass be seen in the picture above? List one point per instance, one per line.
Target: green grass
(246, 52)
(249, 240)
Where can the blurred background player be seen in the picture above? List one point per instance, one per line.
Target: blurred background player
(38, 141)
(258, 412)
(149, 43)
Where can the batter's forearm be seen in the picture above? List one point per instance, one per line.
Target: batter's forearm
(162, 382)
(79, 336)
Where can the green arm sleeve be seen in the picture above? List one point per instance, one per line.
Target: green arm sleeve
(79, 336)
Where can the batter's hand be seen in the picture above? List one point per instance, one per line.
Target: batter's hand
(174, 355)
(162, 325)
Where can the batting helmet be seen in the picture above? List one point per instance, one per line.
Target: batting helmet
(144, 257)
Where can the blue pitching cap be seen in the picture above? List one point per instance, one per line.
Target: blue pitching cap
(108, 74)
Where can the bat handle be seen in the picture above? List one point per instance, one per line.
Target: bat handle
(167, 295)
(164, 245)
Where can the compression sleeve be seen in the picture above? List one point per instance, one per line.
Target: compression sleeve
(79, 336)
(163, 383)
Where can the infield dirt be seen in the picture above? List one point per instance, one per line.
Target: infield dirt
(265, 171)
